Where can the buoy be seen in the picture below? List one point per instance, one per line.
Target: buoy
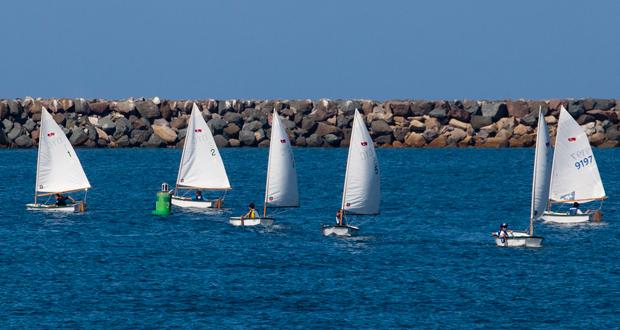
(163, 203)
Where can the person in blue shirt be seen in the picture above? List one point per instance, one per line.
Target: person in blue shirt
(575, 209)
(198, 196)
(502, 233)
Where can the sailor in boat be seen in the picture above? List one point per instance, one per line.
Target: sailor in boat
(502, 233)
(61, 200)
(574, 210)
(251, 212)
(198, 196)
(338, 216)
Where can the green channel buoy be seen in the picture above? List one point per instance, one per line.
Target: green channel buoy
(163, 204)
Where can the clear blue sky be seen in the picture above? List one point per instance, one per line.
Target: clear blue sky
(310, 49)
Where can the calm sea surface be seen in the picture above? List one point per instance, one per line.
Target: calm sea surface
(426, 261)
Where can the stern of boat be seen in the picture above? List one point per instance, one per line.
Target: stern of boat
(338, 230)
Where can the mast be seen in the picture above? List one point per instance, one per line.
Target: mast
(534, 175)
(36, 183)
(346, 173)
(271, 139)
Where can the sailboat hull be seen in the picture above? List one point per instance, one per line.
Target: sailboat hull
(190, 203)
(518, 239)
(340, 230)
(564, 218)
(51, 207)
(249, 222)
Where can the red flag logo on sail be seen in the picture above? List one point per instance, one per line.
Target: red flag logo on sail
(198, 130)
(50, 134)
(572, 139)
(270, 198)
(283, 141)
(364, 143)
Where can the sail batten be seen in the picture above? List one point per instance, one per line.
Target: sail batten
(575, 175)
(281, 182)
(362, 192)
(58, 167)
(201, 165)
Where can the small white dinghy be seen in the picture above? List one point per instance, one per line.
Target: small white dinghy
(575, 177)
(281, 183)
(201, 166)
(362, 193)
(540, 191)
(58, 168)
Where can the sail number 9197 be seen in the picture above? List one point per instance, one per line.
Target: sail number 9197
(584, 162)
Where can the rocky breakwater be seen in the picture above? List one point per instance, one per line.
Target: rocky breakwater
(319, 123)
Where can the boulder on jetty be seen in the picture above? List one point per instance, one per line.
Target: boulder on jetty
(156, 122)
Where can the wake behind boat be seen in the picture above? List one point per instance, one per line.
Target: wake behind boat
(201, 167)
(59, 170)
(575, 177)
(540, 192)
(281, 182)
(362, 193)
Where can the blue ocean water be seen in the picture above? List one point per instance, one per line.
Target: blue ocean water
(427, 261)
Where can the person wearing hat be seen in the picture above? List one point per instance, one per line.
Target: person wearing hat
(251, 213)
(502, 233)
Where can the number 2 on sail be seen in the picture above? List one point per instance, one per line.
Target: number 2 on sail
(584, 162)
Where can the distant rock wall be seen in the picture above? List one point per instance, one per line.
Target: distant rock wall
(319, 123)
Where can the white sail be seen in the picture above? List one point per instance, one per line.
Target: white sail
(281, 186)
(362, 193)
(58, 166)
(542, 169)
(201, 166)
(575, 176)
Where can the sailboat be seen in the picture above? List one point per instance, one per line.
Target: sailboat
(201, 167)
(281, 183)
(58, 168)
(575, 177)
(540, 190)
(362, 193)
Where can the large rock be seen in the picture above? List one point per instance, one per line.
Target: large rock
(4, 110)
(478, 122)
(314, 141)
(597, 139)
(332, 140)
(419, 108)
(217, 125)
(233, 117)
(126, 107)
(518, 108)
(417, 126)
(323, 129)
(231, 130)
(459, 124)
(220, 141)
(380, 127)
(166, 110)
(139, 136)
(576, 108)
(8, 125)
(15, 107)
(400, 108)
(494, 110)
(99, 108)
(23, 141)
(121, 127)
(148, 109)
(247, 138)
(604, 104)
(107, 125)
(472, 107)
(455, 136)
(415, 140)
(102, 134)
(16, 131)
(155, 142)
(459, 114)
(30, 125)
(81, 106)
(234, 143)
(302, 106)
(165, 133)
(439, 112)
(179, 122)
(78, 136)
